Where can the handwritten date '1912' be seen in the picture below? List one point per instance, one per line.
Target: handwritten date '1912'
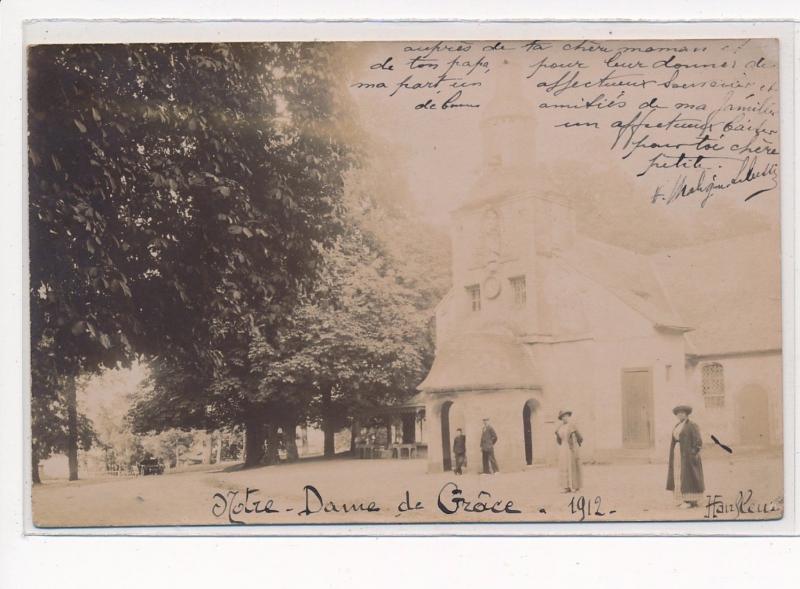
(588, 507)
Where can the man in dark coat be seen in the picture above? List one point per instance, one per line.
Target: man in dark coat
(686, 435)
(488, 440)
(460, 451)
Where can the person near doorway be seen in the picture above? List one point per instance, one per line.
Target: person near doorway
(488, 440)
(685, 474)
(460, 451)
(569, 441)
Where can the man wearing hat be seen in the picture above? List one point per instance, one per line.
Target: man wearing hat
(460, 451)
(488, 440)
(685, 475)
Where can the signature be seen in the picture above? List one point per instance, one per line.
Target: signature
(749, 171)
(717, 506)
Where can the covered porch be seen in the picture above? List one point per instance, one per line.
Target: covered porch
(394, 431)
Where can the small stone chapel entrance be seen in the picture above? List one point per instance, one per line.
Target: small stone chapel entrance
(528, 411)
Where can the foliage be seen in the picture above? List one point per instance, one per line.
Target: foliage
(49, 421)
(188, 205)
(175, 394)
(357, 342)
(169, 445)
(363, 335)
(379, 203)
(49, 425)
(174, 188)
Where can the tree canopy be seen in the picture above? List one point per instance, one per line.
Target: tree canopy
(200, 206)
(356, 342)
(174, 188)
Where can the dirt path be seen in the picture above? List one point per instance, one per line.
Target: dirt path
(620, 492)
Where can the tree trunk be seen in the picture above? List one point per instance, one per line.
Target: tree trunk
(35, 467)
(355, 432)
(290, 435)
(219, 446)
(327, 425)
(255, 435)
(304, 439)
(330, 446)
(272, 444)
(207, 447)
(72, 427)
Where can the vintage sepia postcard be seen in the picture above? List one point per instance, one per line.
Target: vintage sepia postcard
(404, 282)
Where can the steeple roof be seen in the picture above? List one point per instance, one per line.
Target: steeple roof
(507, 135)
(508, 100)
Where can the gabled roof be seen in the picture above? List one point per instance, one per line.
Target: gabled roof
(626, 274)
(725, 295)
(729, 291)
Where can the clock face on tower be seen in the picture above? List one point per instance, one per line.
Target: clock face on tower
(491, 287)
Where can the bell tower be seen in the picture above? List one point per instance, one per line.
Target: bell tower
(494, 231)
(508, 126)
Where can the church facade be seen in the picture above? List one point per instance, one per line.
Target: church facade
(541, 318)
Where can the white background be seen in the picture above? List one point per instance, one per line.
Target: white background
(352, 562)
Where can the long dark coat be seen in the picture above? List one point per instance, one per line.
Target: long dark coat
(691, 465)
(488, 438)
(460, 444)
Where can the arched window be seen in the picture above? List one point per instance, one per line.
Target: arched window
(714, 385)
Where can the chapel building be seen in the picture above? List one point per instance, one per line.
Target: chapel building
(541, 318)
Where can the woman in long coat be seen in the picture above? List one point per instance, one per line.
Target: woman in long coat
(685, 475)
(569, 440)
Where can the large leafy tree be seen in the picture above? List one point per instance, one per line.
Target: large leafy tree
(174, 188)
(362, 337)
(357, 342)
(183, 392)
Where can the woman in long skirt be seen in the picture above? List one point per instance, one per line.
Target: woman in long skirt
(569, 441)
(685, 475)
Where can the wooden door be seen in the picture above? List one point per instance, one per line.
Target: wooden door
(637, 408)
(753, 416)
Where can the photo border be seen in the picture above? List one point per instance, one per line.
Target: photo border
(60, 31)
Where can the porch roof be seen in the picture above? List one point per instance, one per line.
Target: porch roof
(477, 361)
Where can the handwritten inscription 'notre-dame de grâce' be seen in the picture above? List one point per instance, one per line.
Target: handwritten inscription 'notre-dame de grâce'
(239, 507)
